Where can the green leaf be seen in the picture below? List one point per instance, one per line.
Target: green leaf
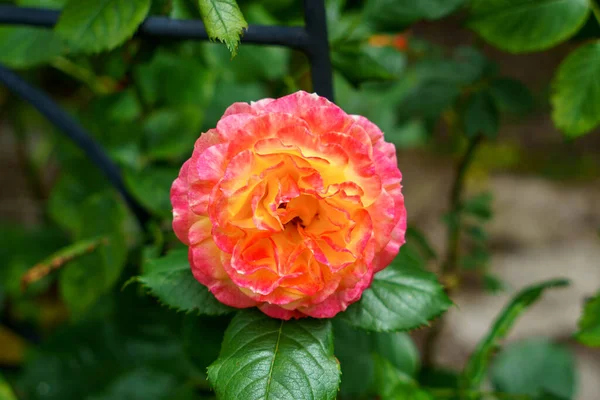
(184, 9)
(392, 384)
(224, 21)
(399, 349)
(479, 206)
(522, 25)
(170, 279)
(481, 116)
(6, 392)
(403, 296)
(534, 367)
(91, 26)
(589, 323)
(511, 95)
(395, 15)
(85, 280)
(54, 4)
(275, 359)
(576, 97)
(171, 133)
(477, 365)
(353, 350)
(35, 46)
(365, 64)
(151, 188)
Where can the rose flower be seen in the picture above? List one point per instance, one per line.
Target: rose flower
(290, 205)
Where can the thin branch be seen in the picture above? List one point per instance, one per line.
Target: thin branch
(449, 266)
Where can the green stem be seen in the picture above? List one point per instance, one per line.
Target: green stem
(595, 9)
(100, 85)
(449, 266)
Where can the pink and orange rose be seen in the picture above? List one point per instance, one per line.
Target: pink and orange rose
(290, 205)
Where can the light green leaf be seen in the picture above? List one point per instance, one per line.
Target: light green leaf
(85, 280)
(23, 47)
(151, 188)
(91, 26)
(534, 367)
(403, 296)
(589, 324)
(275, 359)
(576, 85)
(523, 25)
(170, 279)
(6, 392)
(224, 21)
(477, 365)
(481, 116)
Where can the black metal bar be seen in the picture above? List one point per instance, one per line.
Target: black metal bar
(73, 131)
(295, 37)
(318, 47)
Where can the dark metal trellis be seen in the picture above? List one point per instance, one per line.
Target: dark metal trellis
(310, 39)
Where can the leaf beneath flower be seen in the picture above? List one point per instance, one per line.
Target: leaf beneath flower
(275, 359)
(403, 296)
(170, 279)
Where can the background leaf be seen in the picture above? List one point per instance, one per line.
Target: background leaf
(534, 367)
(224, 21)
(522, 25)
(276, 359)
(478, 362)
(576, 98)
(170, 279)
(85, 280)
(91, 26)
(589, 323)
(35, 46)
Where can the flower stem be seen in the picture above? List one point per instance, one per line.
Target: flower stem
(449, 267)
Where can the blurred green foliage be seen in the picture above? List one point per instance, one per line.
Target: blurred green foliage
(90, 332)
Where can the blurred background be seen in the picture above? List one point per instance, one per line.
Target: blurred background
(429, 82)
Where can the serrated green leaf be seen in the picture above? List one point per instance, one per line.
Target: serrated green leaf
(91, 26)
(403, 296)
(576, 97)
(170, 279)
(35, 46)
(534, 367)
(477, 365)
(6, 392)
(151, 188)
(86, 279)
(522, 25)
(275, 359)
(481, 116)
(224, 21)
(589, 323)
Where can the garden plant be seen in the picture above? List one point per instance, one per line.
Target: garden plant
(226, 219)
